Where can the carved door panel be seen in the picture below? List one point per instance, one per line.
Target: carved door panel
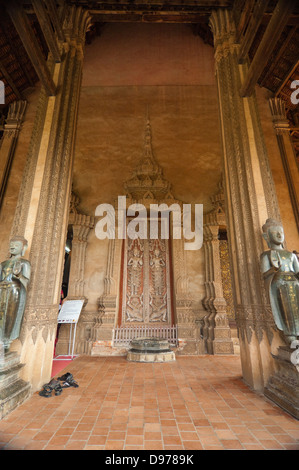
(146, 290)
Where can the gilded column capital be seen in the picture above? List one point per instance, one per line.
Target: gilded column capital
(75, 24)
(223, 27)
(279, 115)
(15, 116)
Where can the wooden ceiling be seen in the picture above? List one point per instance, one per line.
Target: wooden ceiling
(268, 34)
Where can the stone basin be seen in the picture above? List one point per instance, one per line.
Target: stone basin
(150, 350)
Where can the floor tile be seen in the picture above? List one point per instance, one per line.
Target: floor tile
(196, 403)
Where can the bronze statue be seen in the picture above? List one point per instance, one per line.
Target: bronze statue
(14, 278)
(280, 269)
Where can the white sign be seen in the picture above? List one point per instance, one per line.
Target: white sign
(70, 311)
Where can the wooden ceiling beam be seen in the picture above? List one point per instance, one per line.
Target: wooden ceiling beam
(47, 29)
(279, 55)
(292, 21)
(244, 18)
(148, 17)
(270, 38)
(253, 26)
(287, 78)
(29, 40)
(17, 54)
(53, 13)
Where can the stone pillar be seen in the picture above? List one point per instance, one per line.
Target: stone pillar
(288, 157)
(250, 199)
(186, 318)
(9, 141)
(81, 225)
(217, 333)
(109, 303)
(43, 205)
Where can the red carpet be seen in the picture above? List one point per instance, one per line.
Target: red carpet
(60, 364)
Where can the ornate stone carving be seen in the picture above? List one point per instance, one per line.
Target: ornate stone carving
(147, 282)
(279, 115)
(150, 264)
(81, 225)
(216, 330)
(147, 183)
(47, 182)
(246, 168)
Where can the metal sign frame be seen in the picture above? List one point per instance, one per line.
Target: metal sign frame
(69, 314)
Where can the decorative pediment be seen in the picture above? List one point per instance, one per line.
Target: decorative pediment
(147, 180)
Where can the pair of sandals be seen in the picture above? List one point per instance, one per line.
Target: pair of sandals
(55, 385)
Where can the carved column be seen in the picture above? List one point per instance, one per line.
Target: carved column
(108, 303)
(43, 205)
(250, 199)
(9, 141)
(288, 158)
(81, 225)
(216, 331)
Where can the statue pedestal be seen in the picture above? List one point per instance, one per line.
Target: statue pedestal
(283, 386)
(13, 390)
(150, 350)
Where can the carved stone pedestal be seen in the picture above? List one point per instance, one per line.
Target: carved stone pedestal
(150, 350)
(222, 343)
(102, 331)
(283, 386)
(13, 390)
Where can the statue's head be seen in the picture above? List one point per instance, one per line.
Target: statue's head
(273, 233)
(17, 246)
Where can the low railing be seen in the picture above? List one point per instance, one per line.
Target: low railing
(123, 335)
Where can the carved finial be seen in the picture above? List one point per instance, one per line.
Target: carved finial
(148, 175)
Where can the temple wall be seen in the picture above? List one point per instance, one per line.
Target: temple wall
(128, 71)
(16, 173)
(168, 72)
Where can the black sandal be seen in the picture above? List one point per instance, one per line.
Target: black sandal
(68, 380)
(46, 392)
(48, 388)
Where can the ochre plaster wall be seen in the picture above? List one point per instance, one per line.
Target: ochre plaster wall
(167, 72)
(129, 71)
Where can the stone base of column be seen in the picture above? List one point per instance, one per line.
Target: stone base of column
(283, 386)
(13, 390)
(222, 343)
(102, 332)
(189, 341)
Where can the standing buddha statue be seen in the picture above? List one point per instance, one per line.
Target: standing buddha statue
(280, 270)
(14, 279)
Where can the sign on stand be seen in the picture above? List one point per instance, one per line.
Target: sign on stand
(69, 313)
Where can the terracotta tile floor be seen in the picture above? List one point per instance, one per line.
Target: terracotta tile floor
(192, 404)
